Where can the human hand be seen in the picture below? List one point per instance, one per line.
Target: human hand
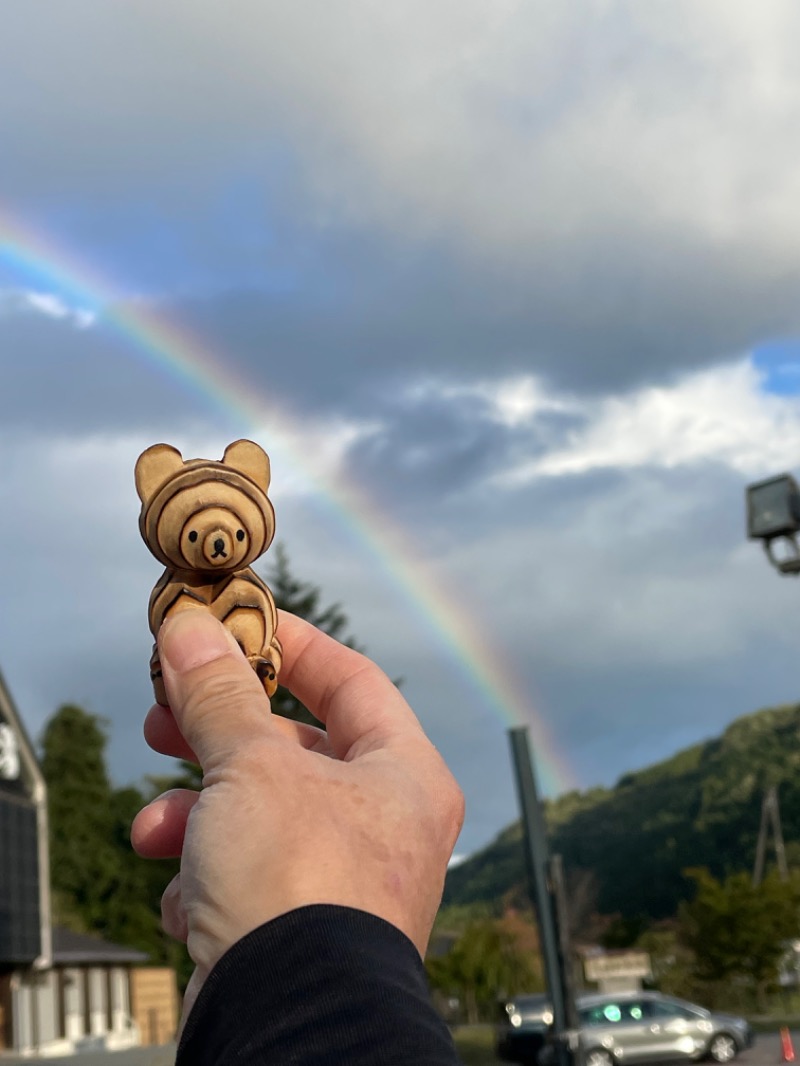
(364, 816)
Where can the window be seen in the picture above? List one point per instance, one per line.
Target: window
(665, 1009)
(614, 1012)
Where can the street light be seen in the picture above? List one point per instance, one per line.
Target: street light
(773, 516)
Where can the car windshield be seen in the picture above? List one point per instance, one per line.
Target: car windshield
(673, 1009)
(530, 1004)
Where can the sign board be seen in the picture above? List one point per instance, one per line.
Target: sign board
(627, 964)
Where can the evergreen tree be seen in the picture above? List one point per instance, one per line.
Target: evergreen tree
(304, 600)
(99, 884)
(83, 862)
(133, 913)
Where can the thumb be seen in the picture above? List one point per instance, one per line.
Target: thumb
(215, 696)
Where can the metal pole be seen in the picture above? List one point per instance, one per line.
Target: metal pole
(559, 894)
(535, 841)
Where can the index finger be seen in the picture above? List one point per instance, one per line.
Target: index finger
(361, 708)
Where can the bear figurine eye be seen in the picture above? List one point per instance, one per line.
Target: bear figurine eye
(193, 535)
(240, 534)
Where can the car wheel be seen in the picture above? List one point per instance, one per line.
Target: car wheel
(598, 1056)
(722, 1048)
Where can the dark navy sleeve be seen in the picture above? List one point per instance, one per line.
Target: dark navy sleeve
(322, 985)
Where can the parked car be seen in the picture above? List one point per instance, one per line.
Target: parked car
(523, 1029)
(629, 1027)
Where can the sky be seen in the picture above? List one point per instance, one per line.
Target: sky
(509, 293)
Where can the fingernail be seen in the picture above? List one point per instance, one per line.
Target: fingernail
(193, 637)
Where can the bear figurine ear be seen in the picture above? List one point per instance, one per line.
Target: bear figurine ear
(154, 467)
(250, 459)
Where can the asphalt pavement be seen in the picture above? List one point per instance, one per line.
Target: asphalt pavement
(765, 1052)
(140, 1056)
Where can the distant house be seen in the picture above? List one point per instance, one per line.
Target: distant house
(60, 991)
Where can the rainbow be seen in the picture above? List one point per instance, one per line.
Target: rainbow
(172, 351)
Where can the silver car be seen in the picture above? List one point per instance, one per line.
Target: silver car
(626, 1027)
(644, 1026)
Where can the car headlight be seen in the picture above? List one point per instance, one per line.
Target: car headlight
(547, 1017)
(516, 1019)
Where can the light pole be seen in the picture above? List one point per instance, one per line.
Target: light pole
(773, 517)
(546, 880)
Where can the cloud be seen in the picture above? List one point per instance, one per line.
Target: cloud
(633, 615)
(600, 195)
(498, 267)
(510, 401)
(48, 304)
(713, 416)
(446, 116)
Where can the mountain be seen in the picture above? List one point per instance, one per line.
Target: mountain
(702, 807)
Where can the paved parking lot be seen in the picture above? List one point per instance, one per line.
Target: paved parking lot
(146, 1056)
(765, 1052)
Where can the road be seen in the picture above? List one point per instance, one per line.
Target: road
(143, 1056)
(767, 1049)
(765, 1052)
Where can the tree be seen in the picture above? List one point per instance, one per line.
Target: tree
(305, 600)
(486, 961)
(738, 930)
(133, 914)
(99, 884)
(83, 862)
(671, 961)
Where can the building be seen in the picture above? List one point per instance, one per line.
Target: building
(60, 991)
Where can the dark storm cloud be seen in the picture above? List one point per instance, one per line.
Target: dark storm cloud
(368, 320)
(436, 447)
(363, 323)
(602, 221)
(428, 448)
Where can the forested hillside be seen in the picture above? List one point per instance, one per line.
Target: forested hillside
(702, 807)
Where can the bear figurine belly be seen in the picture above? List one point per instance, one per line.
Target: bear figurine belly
(207, 521)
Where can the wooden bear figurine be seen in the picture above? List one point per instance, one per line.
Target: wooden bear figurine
(207, 521)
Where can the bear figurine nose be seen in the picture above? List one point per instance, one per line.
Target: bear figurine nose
(216, 547)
